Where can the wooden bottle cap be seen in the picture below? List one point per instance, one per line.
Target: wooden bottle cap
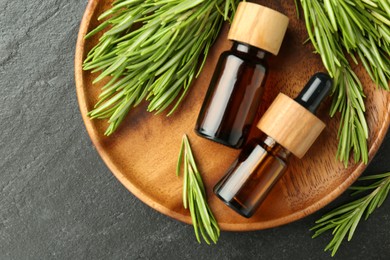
(259, 26)
(291, 125)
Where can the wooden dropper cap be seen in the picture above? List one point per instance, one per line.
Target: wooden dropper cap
(292, 123)
(259, 26)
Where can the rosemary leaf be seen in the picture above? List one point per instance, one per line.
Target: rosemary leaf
(362, 29)
(345, 219)
(194, 195)
(152, 51)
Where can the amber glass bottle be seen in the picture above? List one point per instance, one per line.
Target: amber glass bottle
(251, 177)
(234, 95)
(290, 127)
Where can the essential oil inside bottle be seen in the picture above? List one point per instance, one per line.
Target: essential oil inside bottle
(234, 95)
(252, 176)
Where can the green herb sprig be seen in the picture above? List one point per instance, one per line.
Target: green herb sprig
(152, 52)
(344, 219)
(360, 28)
(194, 196)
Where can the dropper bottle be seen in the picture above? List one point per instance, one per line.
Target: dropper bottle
(235, 91)
(290, 127)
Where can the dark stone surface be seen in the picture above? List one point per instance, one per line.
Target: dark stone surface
(58, 199)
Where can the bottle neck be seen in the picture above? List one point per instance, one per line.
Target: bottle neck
(247, 49)
(276, 149)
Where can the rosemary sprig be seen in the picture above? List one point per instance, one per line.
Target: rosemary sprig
(362, 29)
(152, 52)
(194, 196)
(344, 219)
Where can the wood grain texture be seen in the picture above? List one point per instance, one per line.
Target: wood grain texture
(142, 154)
(291, 125)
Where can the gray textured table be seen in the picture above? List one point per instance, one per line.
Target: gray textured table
(58, 199)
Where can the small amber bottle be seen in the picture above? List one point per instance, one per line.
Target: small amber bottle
(290, 127)
(235, 90)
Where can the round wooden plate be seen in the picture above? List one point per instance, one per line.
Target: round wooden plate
(142, 154)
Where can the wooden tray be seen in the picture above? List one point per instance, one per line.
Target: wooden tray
(142, 154)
